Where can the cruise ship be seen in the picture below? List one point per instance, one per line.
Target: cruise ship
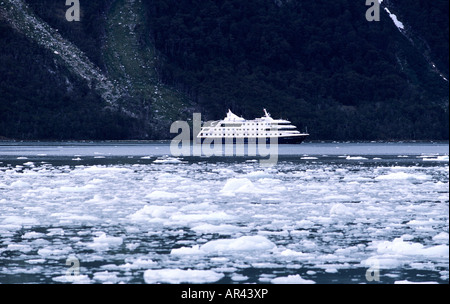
(235, 129)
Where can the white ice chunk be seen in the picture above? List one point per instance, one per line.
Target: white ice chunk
(159, 195)
(236, 185)
(50, 252)
(442, 158)
(441, 237)
(355, 158)
(168, 160)
(402, 176)
(295, 254)
(76, 279)
(104, 242)
(409, 282)
(35, 235)
(177, 276)
(221, 229)
(341, 209)
(139, 263)
(244, 243)
(19, 220)
(239, 278)
(201, 217)
(20, 184)
(19, 247)
(291, 279)
(187, 251)
(107, 170)
(106, 277)
(243, 185)
(257, 174)
(399, 246)
(152, 212)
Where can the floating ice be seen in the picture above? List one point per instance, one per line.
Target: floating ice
(104, 242)
(152, 212)
(139, 263)
(409, 282)
(239, 278)
(227, 216)
(341, 209)
(292, 279)
(442, 158)
(177, 276)
(19, 247)
(221, 229)
(401, 175)
(244, 243)
(55, 253)
(257, 174)
(106, 170)
(235, 186)
(238, 185)
(355, 158)
(69, 217)
(20, 184)
(105, 276)
(441, 237)
(19, 220)
(158, 195)
(35, 235)
(201, 217)
(398, 252)
(187, 250)
(292, 253)
(168, 160)
(75, 279)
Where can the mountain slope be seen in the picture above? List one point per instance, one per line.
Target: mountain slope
(131, 60)
(318, 63)
(22, 19)
(140, 65)
(128, 91)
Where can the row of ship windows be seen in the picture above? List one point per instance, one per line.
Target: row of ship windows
(246, 124)
(239, 129)
(246, 134)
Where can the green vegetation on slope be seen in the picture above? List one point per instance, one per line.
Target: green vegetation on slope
(131, 59)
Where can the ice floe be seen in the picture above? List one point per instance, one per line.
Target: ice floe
(244, 243)
(104, 242)
(291, 279)
(176, 276)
